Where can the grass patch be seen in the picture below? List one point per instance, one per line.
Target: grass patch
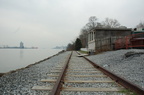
(127, 92)
(83, 52)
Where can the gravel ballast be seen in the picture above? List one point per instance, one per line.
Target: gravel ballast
(80, 64)
(21, 81)
(128, 64)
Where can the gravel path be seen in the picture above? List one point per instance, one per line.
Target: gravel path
(77, 63)
(21, 82)
(128, 64)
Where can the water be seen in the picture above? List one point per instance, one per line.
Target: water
(11, 59)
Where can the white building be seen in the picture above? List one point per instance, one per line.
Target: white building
(91, 41)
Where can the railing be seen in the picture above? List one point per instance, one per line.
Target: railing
(130, 41)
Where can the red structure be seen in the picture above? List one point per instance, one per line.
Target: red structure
(130, 41)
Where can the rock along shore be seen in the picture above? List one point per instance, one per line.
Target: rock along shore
(20, 82)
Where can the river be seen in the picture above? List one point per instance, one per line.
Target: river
(11, 59)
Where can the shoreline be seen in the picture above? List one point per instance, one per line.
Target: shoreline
(28, 66)
(22, 81)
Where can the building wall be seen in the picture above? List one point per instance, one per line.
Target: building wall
(105, 38)
(91, 46)
(112, 33)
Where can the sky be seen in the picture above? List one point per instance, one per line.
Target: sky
(50, 23)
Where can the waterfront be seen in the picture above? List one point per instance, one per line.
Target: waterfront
(11, 59)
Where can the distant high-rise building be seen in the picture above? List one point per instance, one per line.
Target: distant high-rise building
(21, 45)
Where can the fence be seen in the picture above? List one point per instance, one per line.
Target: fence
(130, 41)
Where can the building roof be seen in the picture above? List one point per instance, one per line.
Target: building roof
(110, 29)
(114, 29)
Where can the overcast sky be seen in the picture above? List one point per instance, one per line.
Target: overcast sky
(50, 23)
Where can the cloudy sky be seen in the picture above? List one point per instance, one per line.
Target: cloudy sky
(50, 23)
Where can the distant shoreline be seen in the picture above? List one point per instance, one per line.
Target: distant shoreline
(18, 48)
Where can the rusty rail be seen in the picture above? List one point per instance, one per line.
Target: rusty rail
(135, 88)
(58, 85)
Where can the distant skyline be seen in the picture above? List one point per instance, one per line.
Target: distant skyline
(20, 45)
(50, 23)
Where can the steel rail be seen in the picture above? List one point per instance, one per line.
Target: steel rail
(58, 85)
(125, 83)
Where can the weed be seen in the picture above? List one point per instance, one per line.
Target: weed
(127, 92)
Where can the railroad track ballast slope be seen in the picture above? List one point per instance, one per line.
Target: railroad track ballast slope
(78, 77)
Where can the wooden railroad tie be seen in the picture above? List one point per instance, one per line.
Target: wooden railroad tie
(91, 89)
(52, 75)
(80, 89)
(79, 81)
(86, 76)
(41, 88)
(58, 71)
(84, 72)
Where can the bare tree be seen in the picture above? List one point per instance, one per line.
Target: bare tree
(83, 36)
(110, 23)
(92, 22)
(140, 25)
(70, 46)
(99, 25)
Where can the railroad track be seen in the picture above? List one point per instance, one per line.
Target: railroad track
(79, 77)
